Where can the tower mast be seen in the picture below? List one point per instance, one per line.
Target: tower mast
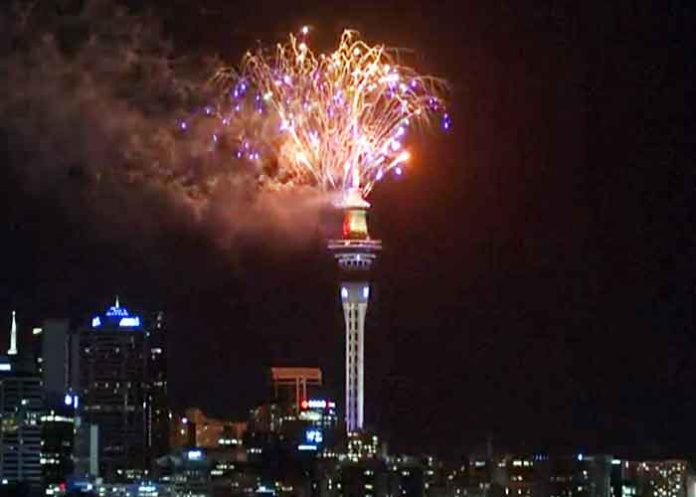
(13, 335)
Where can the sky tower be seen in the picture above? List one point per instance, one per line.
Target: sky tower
(355, 252)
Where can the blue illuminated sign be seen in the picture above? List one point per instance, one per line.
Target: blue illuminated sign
(194, 455)
(117, 312)
(129, 322)
(314, 436)
(117, 316)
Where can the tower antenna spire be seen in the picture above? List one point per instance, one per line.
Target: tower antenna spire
(13, 335)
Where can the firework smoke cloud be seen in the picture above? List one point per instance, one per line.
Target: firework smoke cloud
(102, 113)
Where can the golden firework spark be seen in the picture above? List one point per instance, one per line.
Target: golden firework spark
(340, 119)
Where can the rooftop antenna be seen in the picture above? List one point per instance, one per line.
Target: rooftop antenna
(13, 335)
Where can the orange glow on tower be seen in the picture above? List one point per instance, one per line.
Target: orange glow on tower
(355, 224)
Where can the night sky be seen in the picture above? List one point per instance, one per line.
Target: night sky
(537, 281)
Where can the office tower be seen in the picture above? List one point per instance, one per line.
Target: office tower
(58, 436)
(158, 411)
(119, 371)
(112, 388)
(55, 358)
(21, 405)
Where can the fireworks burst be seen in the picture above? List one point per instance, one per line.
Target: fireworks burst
(336, 121)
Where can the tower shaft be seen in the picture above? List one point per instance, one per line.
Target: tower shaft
(354, 296)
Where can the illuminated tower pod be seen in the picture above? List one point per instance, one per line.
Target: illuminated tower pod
(355, 252)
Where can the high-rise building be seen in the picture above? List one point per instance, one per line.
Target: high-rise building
(355, 252)
(112, 386)
(55, 356)
(57, 437)
(158, 410)
(21, 405)
(121, 377)
(51, 350)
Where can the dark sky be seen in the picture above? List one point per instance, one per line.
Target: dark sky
(537, 281)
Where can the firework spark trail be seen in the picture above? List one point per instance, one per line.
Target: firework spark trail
(337, 121)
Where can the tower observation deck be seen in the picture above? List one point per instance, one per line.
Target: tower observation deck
(355, 252)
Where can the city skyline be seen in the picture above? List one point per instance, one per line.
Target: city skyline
(538, 265)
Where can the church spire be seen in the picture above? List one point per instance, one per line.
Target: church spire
(13, 336)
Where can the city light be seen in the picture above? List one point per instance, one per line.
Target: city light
(306, 447)
(194, 455)
(314, 436)
(318, 404)
(129, 322)
(117, 311)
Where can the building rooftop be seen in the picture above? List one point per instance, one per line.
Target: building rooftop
(117, 316)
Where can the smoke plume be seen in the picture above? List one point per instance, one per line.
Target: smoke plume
(90, 98)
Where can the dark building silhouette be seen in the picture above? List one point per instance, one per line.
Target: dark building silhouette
(158, 416)
(21, 406)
